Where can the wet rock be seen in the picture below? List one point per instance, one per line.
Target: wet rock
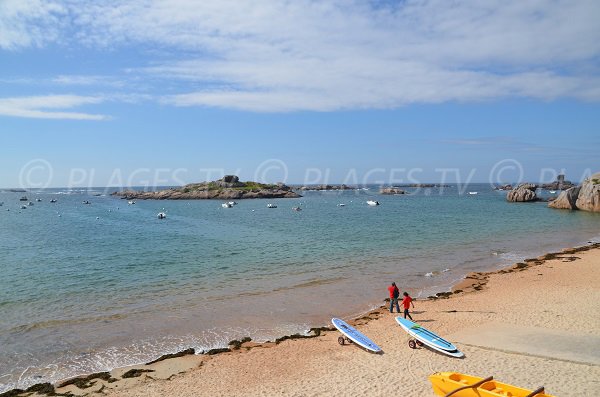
(135, 373)
(83, 382)
(292, 337)
(182, 353)
(212, 352)
(237, 344)
(12, 393)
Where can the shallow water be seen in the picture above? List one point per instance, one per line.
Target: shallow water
(80, 294)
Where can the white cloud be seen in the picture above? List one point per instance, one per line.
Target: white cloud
(38, 107)
(25, 23)
(87, 80)
(304, 55)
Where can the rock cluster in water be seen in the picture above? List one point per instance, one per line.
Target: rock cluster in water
(525, 192)
(227, 188)
(585, 197)
(327, 187)
(391, 190)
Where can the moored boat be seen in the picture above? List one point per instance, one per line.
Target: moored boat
(461, 385)
(372, 203)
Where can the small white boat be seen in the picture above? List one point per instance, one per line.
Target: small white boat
(341, 205)
(131, 202)
(53, 201)
(226, 205)
(39, 200)
(473, 193)
(552, 191)
(232, 203)
(161, 215)
(271, 206)
(86, 202)
(23, 207)
(373, 203)
(296, 209)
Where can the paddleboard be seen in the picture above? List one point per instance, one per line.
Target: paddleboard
(355, 336)
(428, 338)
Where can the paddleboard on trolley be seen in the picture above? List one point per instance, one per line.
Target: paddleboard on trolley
(352, 335)
(425, 337)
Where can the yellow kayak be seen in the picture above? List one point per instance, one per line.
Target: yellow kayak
(460, 385)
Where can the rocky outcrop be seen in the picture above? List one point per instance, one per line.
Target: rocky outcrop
(327, 187)
(559, 184)
(566, 199)
(423, 185)
(391, 190)
(226, 188)
(523, 193)
(504, 187)
(589, 195)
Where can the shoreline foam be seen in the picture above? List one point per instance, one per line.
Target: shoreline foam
(170, 365)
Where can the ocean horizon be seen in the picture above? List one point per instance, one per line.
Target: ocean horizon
(91, 287)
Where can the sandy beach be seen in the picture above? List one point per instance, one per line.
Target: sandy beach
(536, 323)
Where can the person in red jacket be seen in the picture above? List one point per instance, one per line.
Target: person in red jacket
(394, 294)
(406, 302)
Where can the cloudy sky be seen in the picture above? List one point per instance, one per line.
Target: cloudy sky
(336, 85)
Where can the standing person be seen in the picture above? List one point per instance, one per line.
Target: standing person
(406, 302)
(394, 294)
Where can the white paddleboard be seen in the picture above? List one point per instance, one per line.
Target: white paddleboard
(428, 338)
(354, 335)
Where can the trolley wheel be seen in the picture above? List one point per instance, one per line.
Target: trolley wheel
(341, 340)
(412, 344)
(348, 340)
(419, 343)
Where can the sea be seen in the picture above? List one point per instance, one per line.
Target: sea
(90, 287)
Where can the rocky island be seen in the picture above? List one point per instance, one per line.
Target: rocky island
(318, 188)
(391, 190)
(227, 188)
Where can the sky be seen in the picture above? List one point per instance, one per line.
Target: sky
(149, 92)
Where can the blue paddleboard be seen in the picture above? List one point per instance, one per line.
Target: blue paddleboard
(428, 338)
(354, 335)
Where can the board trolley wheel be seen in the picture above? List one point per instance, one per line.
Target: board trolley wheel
(348, 340)
(341, 340)
(419, 343)
(412, 344)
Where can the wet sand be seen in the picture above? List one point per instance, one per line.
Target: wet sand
(554, 296)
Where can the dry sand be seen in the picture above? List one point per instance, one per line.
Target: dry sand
(544, 300)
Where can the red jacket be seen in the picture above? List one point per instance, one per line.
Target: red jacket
(406, 302)
(394, 291)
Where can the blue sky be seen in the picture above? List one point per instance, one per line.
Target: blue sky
(167, 92)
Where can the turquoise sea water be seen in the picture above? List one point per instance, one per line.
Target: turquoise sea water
(86, 288)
